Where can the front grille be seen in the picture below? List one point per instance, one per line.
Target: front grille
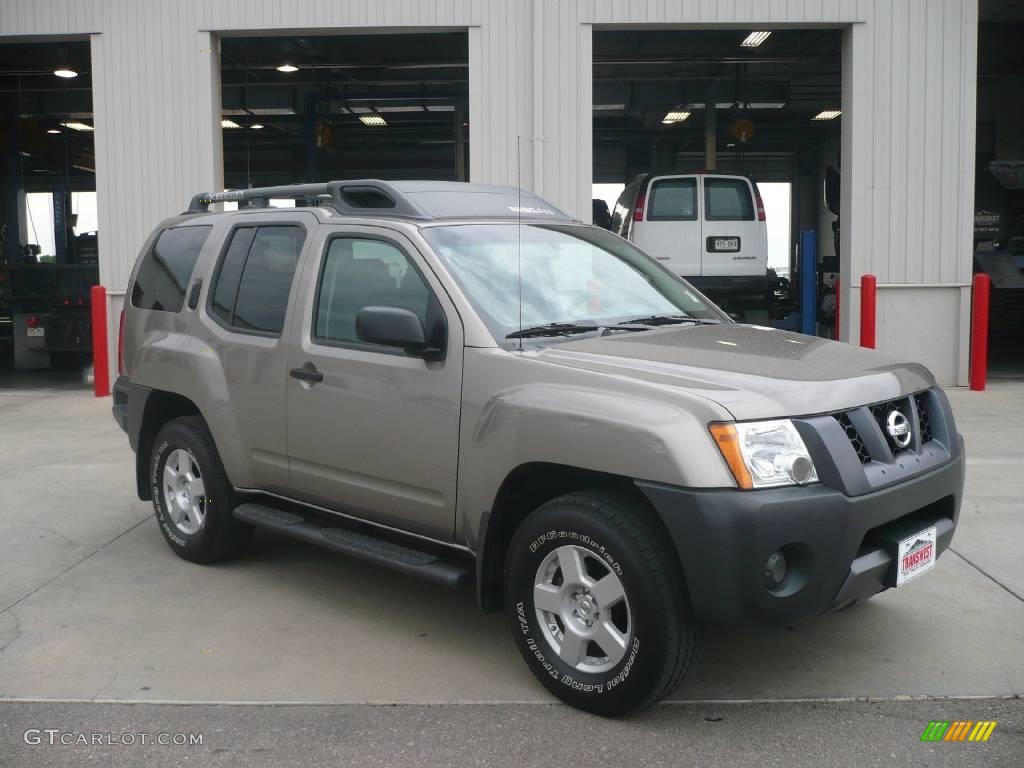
(881, 413)
(923, 425)
(854, 437)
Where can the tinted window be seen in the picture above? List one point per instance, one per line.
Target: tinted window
(167, 267)
(727, 200)
(230, 274)
(255, 278)
(673, 200)
(361, 273)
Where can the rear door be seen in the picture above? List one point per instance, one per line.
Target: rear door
(246, 313)
(668, 224)
(376, 435)
(733, 241)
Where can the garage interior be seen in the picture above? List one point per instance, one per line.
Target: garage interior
(387, 106)
(776, 118)
(48, 243)
(999, 181)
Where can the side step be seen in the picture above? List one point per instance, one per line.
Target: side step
(365, 546)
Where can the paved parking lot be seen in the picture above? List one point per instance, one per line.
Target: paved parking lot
(94, 606)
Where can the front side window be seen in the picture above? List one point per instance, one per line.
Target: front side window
(727, 200)
(673, 200)
(255, 278)
(362, 272)
(166, 268)
(565, 274)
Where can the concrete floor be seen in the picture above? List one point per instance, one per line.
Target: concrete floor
(94, 606)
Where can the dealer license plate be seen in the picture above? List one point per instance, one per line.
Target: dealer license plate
(36, 331)
(916, 555)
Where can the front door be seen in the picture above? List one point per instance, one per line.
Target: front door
(372, 430)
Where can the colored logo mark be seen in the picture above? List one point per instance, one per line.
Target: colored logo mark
(958, 730)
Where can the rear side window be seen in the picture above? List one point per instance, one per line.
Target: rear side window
(727, 200)
(166, 268)
(673, 200)
(255, 277)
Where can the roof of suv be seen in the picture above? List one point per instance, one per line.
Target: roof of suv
(417, 200)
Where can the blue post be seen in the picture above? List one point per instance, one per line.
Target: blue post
(808, 282)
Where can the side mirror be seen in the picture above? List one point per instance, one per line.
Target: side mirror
(395, 327)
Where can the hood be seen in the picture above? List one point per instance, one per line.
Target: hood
(753, 371)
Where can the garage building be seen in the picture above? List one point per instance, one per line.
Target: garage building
(194, 96)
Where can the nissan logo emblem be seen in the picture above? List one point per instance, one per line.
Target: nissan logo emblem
(898, 427)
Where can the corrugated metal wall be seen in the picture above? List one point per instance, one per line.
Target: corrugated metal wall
(908, 125)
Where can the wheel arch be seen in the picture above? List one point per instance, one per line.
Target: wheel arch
(523, 490)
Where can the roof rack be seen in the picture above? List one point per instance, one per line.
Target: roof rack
(346, 197)
(424, 200)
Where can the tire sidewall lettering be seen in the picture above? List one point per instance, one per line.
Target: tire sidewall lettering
(537, 648)
(156, 491)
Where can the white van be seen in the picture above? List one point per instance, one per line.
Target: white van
(700, 225)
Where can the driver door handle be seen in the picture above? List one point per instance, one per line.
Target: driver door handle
(308, 372)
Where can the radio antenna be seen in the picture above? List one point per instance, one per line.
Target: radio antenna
(519, 239)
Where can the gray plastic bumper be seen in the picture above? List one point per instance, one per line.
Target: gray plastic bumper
(840, 548)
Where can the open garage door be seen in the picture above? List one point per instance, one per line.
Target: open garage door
(48, 223)
(736, 129)
(304, 109)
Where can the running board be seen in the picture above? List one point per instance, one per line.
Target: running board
(365, 546)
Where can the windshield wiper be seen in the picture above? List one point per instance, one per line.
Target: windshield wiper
(552, 329)
(660, 320)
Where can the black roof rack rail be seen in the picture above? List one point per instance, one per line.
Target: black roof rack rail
(422, 200)
(346, 197)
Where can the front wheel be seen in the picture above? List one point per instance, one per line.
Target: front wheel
(598, 604)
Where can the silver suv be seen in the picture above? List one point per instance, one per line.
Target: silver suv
(462, 383)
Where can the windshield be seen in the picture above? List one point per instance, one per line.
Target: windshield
(570, 275)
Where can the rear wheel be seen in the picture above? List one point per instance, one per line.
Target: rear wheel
(192, 496)
(598, 605)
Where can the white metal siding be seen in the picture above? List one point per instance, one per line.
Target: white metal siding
(908, 124)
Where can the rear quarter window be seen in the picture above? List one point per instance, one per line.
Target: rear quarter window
(727, 200)
(166, 268)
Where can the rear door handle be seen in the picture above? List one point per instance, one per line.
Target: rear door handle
(308, 372)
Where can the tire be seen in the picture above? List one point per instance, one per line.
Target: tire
(657, 639)
(213, 534)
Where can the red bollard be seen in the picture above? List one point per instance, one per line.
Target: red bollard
(979, 332)
(835, 287)
(100, 353)
(868, 288)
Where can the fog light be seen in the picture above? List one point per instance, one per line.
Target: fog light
(775, 570)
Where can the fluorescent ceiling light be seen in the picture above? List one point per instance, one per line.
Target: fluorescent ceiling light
(608, 107)
(440, 108)
(827, 114)
(65, 72)
(256, 127)
(754, 39)
(375, 120)
(229, 124)
(675, 117)
(287, 68)
(76, 126)
(406, 108)
(53, 130)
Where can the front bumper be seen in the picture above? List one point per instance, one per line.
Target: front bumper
(839, 546)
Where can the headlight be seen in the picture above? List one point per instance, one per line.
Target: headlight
(765, 454)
